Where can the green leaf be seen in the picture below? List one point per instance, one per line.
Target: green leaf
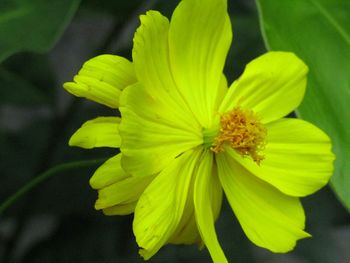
(33, 25)
(318, 31)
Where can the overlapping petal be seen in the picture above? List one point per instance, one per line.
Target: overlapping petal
(200, 35)
(187, 230)
(162, 206)
(102, 78)
(151, 59)
(114, 184)
(207, 202)
(268, 217)
(99, 132)
(152, 135)
(119, 193)
(114, 187)
(271, 85)
(120, 210)
(298, 157)
(108, 173)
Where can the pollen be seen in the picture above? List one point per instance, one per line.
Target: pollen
(242, 130)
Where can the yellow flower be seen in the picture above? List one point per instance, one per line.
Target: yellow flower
(185, 137)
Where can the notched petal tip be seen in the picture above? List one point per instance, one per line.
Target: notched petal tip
(290, 247)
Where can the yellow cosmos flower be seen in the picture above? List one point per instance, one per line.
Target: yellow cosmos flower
(185, 137)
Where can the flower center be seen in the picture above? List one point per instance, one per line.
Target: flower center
(243, 131)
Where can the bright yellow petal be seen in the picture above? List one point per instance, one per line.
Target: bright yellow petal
(152, 137)
(99, 132)
(187, 231)
(123, 192)
(151, 59)
(118, 192)
(120, 210)
(269, 218)
(206, 190)
(108, 173)
(161, 207)
(199, 38)
(222, 90)
(298, 157)
(272, 85)
(102, 78)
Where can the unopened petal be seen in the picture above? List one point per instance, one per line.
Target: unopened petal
(102, 78)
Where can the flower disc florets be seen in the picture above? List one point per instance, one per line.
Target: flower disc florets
(243, 131)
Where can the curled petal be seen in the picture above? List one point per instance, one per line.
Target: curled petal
(102, 78)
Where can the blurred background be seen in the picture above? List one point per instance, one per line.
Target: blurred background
(56, 222)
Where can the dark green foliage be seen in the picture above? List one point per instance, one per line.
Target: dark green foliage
(318, 31)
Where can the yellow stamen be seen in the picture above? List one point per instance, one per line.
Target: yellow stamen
(243, 131)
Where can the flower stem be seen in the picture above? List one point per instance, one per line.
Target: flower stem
(44, 176)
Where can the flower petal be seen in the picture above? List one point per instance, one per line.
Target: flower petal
(102, 78)
(108, 173)
(118, 192)
(198, 51)
(272, 85)
(120, 210)
(123, 192)
(269, 218)
(298, 157)
(151, 59)
(152, 136)
(187, 230)
(207, 189)
(99, 132)
(161, 207)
